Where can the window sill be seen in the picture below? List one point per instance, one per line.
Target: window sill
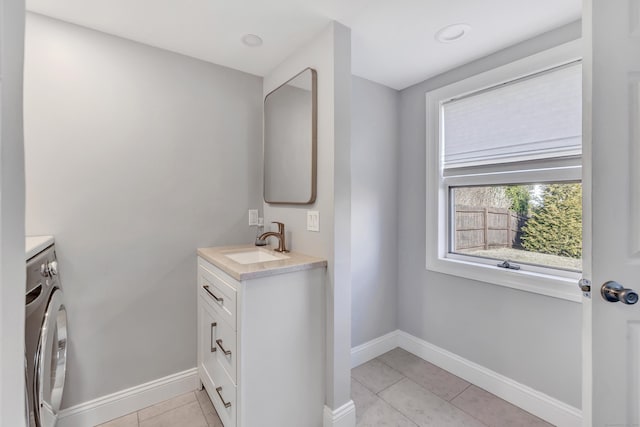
(565, 288)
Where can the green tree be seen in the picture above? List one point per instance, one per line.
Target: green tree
(555, 226)
(519, 196)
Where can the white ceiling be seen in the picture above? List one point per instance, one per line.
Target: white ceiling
(392, 40)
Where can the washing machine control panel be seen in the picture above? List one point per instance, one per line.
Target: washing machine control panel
(49, 268)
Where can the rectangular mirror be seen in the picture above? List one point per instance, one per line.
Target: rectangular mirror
(290, 141)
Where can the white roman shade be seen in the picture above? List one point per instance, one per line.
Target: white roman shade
(535, 118)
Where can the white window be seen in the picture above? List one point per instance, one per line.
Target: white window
(504, 156)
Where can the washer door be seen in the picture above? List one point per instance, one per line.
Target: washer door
(51, 362)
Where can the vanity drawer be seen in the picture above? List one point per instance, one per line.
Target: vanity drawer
(223, 396)
(218, 294)
(221, 275)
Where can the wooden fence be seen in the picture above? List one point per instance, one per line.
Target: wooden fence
(485, 228)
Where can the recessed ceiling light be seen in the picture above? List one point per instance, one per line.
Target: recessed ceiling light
(452, 33)
(251, 40)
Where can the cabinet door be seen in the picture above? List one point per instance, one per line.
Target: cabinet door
(206, 343)
(215, 377)
(224, 338)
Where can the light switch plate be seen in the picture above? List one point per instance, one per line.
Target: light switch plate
(253, 216)
(313, 221)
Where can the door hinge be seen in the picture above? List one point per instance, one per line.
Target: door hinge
(585, 287)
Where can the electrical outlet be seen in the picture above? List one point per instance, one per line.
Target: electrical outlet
(313, 221)
(253, 216)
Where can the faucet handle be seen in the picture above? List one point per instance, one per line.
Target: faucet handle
(280, 226)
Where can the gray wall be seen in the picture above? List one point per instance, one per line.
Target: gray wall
(12, 271)
(329, 53)
(374, 209)
(533, 339)
(135, 157)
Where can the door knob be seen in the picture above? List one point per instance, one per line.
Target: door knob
(614, 292)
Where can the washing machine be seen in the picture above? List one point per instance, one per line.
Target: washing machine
(45, 333)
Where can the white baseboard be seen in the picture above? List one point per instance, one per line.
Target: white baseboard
(374, 348)
(344, 416)
(533, 401)
(124, 402)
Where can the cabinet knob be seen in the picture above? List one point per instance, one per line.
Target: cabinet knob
(226, 352)
(226, 404)
(213, 325)
(218, 299)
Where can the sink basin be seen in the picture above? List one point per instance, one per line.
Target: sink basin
(252, 256)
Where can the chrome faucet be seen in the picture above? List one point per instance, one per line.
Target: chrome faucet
(282, 247)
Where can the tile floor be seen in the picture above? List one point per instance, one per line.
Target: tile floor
(399, 389)
(192, 409)
(396, 389)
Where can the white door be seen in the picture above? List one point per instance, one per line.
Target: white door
(613, 68)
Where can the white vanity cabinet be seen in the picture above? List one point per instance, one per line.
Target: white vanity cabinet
(261, 344)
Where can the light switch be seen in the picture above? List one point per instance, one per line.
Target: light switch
(313, 221)
(253, 217)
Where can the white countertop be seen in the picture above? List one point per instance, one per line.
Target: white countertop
(35, 244)
(294, 262)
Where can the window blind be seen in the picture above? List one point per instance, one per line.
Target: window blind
(537, 117)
